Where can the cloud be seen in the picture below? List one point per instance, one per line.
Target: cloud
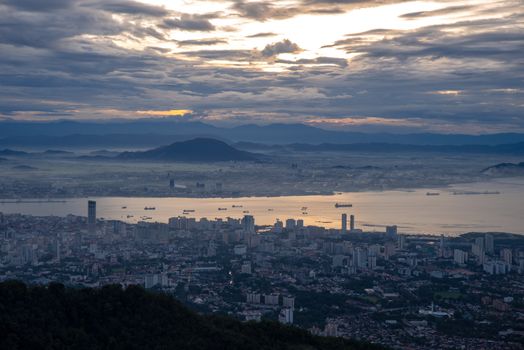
(131, 8)
(439, 12)
(108, 59)
(266, 10)
(262, 35)
(202, 42)
(284, 46)
(259, 10)
(189, 22)
(39, 5)
(341, 62)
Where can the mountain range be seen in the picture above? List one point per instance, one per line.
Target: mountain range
(155, 132)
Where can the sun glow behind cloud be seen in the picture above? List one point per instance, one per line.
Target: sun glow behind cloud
(168, 113)
(311, 32)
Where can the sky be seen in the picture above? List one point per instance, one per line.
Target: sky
(383, 65)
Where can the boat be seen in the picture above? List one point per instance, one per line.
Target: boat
(457, 193)
(343, 205)
(189, 210)
(303, 208)
(130, 216)
(149, 208)
(222, 208)
(304, 213)
(236, 206)
(246, 212)
(124, 207)
(270, 209)
(432, 193)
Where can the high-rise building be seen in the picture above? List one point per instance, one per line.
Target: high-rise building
(253, 298)
(331, 330)
(290, 224)
(479, 241)
(344, 227)
(278, 226)
(460, 257)
(91, 216)
(401, 242)
(286, 316)
(248, 223)
(372, 262)
(489, 244)
(351, 222)
(391, 230)
(507, 256)
(300, 223)
(288, 301)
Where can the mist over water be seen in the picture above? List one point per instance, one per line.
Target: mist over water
(413, 211)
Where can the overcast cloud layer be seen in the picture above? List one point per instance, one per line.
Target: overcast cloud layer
(444, 66)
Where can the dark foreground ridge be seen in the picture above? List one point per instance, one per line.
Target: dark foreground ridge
(57, 317)
(196, 150)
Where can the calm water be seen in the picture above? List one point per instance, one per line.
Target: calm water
(412, 211)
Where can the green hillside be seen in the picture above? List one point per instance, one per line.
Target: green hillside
(57, 317)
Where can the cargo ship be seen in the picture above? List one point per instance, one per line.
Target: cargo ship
(343, 205)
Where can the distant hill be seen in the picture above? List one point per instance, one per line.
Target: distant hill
(10, 152)
(513, 148)
(56, 152)
(196, 150)
(510, 169)
(24, 167)
(55, 317)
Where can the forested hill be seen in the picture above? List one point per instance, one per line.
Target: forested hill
(56, 317)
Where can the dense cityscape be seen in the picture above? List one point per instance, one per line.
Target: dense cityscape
(402, 291)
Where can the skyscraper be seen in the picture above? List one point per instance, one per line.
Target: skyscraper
(351, 222)
(391, 230)
(248, 223)
(489, 245)
(91, 216)
(344, 227)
